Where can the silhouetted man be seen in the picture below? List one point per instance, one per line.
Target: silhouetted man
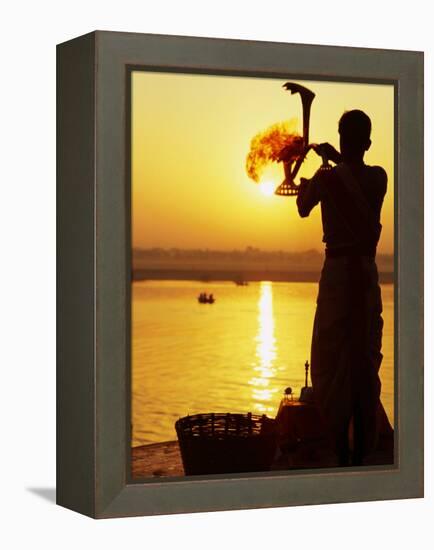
(346, 341)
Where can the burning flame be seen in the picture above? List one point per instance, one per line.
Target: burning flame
(277, 143)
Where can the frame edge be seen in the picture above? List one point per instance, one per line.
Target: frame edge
(75, 384)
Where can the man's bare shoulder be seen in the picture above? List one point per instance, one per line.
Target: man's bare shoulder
(379, 172)
(379, 176)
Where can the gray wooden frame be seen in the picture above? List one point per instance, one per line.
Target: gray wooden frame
(93, 367)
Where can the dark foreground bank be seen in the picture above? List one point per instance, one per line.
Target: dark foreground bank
(164, 459)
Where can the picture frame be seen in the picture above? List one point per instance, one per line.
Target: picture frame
(94, 273)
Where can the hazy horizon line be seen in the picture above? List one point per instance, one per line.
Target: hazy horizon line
(245, 249)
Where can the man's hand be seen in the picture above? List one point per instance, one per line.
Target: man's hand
(328, 151)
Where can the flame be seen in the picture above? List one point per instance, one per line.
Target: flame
(278, 142)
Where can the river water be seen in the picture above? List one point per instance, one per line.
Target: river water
(236, 355)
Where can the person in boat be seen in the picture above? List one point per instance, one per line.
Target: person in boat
(347, 332)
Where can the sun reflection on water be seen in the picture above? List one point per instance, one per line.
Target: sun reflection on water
(266, 351)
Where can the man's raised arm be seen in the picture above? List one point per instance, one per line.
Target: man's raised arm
(308, 195)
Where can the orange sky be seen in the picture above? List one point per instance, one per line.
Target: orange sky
(190, 138)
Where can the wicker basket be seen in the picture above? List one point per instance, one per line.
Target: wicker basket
(218, 443)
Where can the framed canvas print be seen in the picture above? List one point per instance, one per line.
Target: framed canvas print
(240, 274)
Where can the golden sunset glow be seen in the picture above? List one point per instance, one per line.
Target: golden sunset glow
(191, 135)
(224, 271)
(267, 188)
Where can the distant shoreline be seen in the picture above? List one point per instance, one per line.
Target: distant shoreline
(250, 264)
(209, 275)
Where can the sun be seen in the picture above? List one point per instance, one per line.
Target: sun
(267, 188)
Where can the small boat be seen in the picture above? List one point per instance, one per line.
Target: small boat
(203, 298)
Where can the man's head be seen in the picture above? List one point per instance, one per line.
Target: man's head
(354, 132)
